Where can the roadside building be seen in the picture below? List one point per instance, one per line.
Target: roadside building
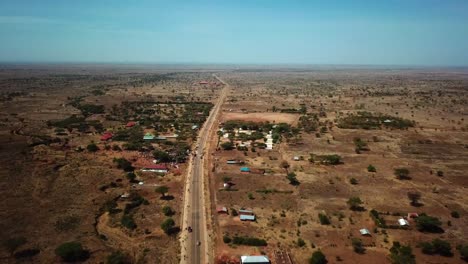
(403, 222)
(148, 136)
(365, 232)
(222, 210)
(130, 124)
(245, 169)
(247, 217)
(255, 260)
(158, 168)
(106, 136)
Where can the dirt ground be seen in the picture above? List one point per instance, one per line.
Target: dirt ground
(261, 117)
(436, 101)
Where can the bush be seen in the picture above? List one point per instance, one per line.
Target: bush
(455, 214)
(131, 176)
(249, 241)
(427, 223)
(438, 246)
(12, 244)
(464, 252)
(402, 173)
(324, 220)
(92, 147)
(118, 257)
(27, 253)
(292, 179)
(227, 239)
(234, 212)
(354, 203)
(371, 168)
(332, 159)
(72, 252)
(124, 164)
(168, 226)
(358, 246)
(353, 181)
(128, 222)
(318, 258)
(301, 242)
(401, 254)
(227, 145)
(167, 210)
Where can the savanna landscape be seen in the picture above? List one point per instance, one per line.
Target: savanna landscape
(355, 165)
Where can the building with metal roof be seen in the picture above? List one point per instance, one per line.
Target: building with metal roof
(255, 260)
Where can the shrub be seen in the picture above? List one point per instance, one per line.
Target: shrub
(118, 257)
(324, 220)
(402, 173)
(438, 246)
(463, 252)
(354, 203)
(249, 241)
(301, 242)
(167, 210)
(332, 159)
(13, 243)
(414, 197)
(318, 258)
(234, 212)
(455, 214)
(292, 179)
(131, 176)
(27, 253)
(227, 239)
(227, 145)
(427, 223)
(168, 225)
(72, 252)
(128, 221)
(401, 254)
(440, 173)
(371, 168)
(353, 181)
(92, 147)
(357, 245)
(124, 164)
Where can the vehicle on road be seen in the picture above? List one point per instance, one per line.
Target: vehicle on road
(198, 243)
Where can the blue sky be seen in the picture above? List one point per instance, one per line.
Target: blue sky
(392, 32)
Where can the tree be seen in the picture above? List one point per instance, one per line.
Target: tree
(128, 221)
(332, 159)
(401, 254)
(168, 225)
(162, 190)
(354, 203)
(464, 252)
(371, 168)
(414, 197)
(324, 220)
(358, 246)
(318, 258)
(427, 223)
(162, 156)
(72, 252)
(301, 242)
(227, 145)
(167, 210)
(131, 176)
(227, 179)
(455, 214)
(402, 173)
(13, 243)
(124, 164)
(118, 257)
(292, 179)
(353, 181)
(285, 165)
(438, 246)
(92, 147)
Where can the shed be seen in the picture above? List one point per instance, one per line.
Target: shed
(412, 215)
(221, 210)
(148, 136)
(365, 232)
(245, 169)
(403, 222)
(244, 217)
(245, 212)
(296, 158)
(106, 136)
(159, 168)
(255, 260)
(130, 124)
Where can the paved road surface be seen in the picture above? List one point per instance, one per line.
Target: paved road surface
(194, 202)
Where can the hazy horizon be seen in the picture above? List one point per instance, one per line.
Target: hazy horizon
(413, 33)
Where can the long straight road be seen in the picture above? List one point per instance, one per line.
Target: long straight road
(194, 248)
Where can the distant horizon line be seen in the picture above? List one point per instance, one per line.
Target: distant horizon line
(231, 64)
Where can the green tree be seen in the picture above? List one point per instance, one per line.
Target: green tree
(414, 197)
(124, 164)
(318, 258)
(227, 145)
(301, 242)
(292, 179)
(354, 203)
(323, 218)
(92, 147)
(402, 173)
(332, 159)
(167, 210)
(118, 257)
(371, 168)
(463, 252)
(72, 252)
(427, 223)
(168, 225)
(162, 190)
(128, 221)
(401, 254)
(358, 246)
